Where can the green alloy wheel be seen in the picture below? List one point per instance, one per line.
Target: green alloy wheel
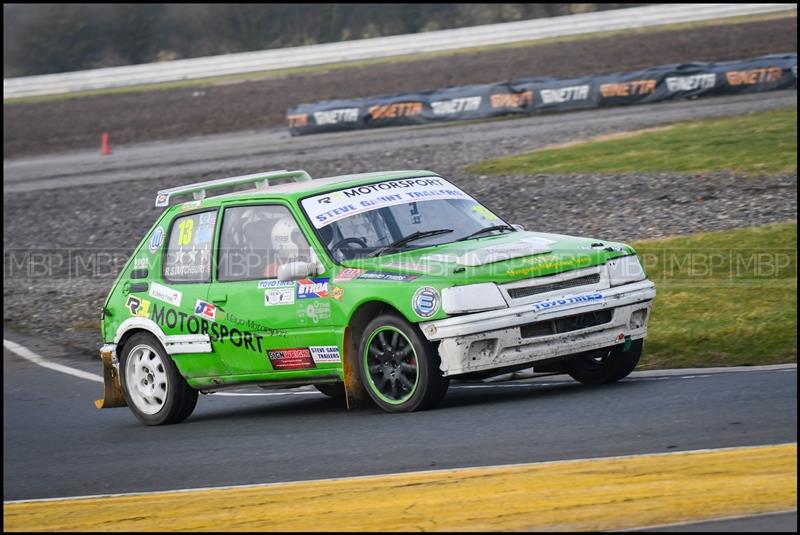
(398, 367)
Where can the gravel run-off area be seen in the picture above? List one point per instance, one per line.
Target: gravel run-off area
(78, 249)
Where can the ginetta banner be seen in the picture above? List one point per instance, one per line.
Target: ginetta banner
(533, 95)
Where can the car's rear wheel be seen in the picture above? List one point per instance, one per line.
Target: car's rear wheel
(155, 391)
(605, 365)
(398, 367)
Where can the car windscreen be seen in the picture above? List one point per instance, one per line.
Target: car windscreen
(365, 220)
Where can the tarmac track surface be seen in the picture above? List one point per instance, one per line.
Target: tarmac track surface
(57, 444)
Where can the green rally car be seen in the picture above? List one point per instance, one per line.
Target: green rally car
(380, 286)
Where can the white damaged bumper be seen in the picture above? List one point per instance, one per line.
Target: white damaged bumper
(543, 330)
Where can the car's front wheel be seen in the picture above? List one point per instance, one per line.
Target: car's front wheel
(398, 367)
(605, 365)
(155, 391)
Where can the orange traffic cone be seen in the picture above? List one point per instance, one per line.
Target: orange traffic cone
(106, 146)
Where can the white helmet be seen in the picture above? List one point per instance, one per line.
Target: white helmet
(286, 238)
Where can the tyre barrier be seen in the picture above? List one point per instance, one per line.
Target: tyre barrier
(534, 95)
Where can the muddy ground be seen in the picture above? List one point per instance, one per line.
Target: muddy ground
(74, 124)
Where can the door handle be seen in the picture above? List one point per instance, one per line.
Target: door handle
(218, 297)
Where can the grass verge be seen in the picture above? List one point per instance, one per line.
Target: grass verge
(753, 144)
(723, 298)
(317, 69)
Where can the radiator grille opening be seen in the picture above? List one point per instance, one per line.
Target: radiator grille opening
(525, 291)
(567, 324)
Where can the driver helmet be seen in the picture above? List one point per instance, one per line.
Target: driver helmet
(286, 238)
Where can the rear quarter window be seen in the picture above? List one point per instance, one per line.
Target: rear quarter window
(188, 254)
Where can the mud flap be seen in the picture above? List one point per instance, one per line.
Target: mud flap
(354, 393)
(112, 390)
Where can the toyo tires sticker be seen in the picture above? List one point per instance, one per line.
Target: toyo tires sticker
(425, 302)
(568, 300)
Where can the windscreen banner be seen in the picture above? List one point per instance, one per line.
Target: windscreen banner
(534, 95)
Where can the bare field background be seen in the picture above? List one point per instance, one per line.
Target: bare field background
(57, 126)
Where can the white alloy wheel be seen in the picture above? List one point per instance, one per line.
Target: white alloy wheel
(147, 380)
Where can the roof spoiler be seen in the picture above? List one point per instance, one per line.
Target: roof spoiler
(200, 189)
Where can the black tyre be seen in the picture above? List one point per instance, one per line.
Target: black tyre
(332, 390)
(155, 391)
(398, 367)
(605, 365)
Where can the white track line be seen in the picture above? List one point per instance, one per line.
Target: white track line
(29, 355)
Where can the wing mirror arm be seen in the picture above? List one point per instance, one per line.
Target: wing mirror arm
(297, 270)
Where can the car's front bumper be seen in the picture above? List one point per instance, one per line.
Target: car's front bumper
(508, 337)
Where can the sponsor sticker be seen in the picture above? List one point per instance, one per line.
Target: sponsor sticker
(314, 312)
(205, 310)
(279, 296)
(274, 283)
(409, 265)
(163, 293)
(191, 205)
(568, 300)
(156, 239)
(337, 293)
(325, 354)
(138, 306)
(141, 263)
(203, 235)
(425, 301)
(328, 208)
(484, 212)
(347, 274)
(312, 288)
(396, 277)
(291, 359)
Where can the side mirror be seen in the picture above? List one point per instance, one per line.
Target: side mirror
(518, 227)
(296, 270)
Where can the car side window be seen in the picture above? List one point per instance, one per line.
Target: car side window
(188, 253)
(256, 240)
